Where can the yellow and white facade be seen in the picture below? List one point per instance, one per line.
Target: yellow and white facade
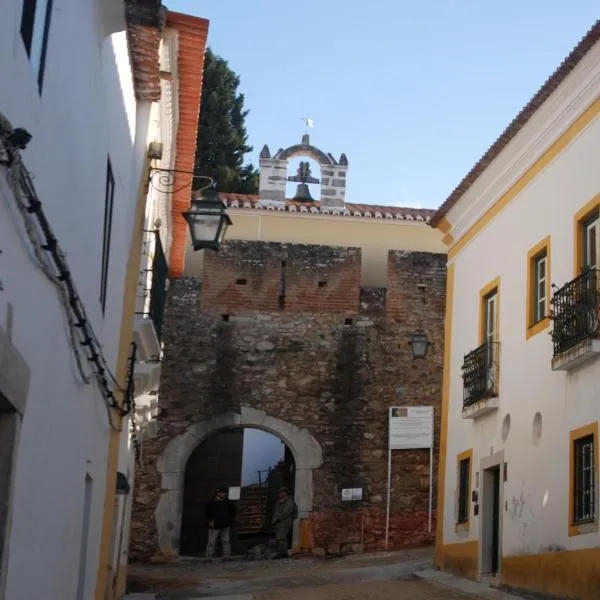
(518, 482)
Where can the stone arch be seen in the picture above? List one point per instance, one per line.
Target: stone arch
(172, 463)
(304, 150)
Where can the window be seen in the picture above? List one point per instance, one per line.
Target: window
(587, 236)
(590, 242)
(35, 27)
(584, 482)
(490, 317)
(109, 196)
(538, 287)
(463, 490)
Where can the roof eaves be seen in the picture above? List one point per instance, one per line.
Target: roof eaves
(145, 23)
(551, 84)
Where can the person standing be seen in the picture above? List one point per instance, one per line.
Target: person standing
(283, 519)
(220, 514)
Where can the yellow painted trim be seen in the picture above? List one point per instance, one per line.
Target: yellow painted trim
(540, 249)
(448, 240)
(444, 417)
(444, 226)
(540, 164)
(567, 574)
(580, 217)
(492, 286)
(461, 558)
(104, 583)
(467, 454)
(575, 434)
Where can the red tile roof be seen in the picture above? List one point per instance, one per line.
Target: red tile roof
(193, 33)
(351, 209)
(145, 21)
(520, 120)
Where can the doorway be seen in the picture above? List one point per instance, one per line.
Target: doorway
(252, 465)
(491, 521)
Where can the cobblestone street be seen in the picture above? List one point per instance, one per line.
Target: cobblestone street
(405, 575)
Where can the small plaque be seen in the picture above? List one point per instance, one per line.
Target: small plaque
(352, 494)
(234, 493)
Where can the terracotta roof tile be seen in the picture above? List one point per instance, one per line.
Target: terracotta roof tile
(351, 209)
(584, 46)
(193, 33)
(145, 21)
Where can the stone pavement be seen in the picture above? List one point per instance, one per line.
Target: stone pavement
(405, 575)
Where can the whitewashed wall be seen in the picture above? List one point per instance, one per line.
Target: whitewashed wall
(86, 111)
(535, 515)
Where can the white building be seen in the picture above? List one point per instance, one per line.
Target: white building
(84, 80)
(518, 484)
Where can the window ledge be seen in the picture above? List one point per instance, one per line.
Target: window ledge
(481, 407)
(537, 328)
(583, 529)
(576, 355)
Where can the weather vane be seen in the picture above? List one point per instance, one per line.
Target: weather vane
(308, 122)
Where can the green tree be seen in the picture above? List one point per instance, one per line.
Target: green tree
(222, 138)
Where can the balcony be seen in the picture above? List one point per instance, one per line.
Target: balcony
(480, 380)
(575, 321)
(153, 292)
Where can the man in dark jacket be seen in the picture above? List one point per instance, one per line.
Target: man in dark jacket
(220, 514)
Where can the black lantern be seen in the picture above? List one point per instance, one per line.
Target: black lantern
(207, 220)
(420, 344)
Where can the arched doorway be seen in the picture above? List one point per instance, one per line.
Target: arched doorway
(252, 465)
(173, 461)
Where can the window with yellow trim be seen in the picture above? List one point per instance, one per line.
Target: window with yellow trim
(538, 284)
(587, 236)
(584, 480)
(464, 472)
(463, 489)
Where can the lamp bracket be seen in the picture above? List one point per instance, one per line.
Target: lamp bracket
(171, 181)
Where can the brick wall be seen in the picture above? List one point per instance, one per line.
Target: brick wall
(245, 276)
(321, 370)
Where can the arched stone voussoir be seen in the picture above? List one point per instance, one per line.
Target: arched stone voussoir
(176, 453)
(306, 450)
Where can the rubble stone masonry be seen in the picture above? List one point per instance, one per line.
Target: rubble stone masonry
(287, 330)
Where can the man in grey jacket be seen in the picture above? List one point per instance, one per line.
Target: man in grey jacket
(283, 519)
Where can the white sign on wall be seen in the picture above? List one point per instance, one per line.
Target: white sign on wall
(234, 493)
(410, 427)
(352, 494)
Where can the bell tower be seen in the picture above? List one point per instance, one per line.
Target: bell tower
(274, 175)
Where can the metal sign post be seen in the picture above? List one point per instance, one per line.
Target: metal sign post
(410, 428)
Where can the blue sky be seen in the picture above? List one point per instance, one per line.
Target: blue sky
(412, 92)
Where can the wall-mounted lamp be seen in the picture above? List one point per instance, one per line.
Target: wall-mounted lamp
(420, 344)
(208, 221)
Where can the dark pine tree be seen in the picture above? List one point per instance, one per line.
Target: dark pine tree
(222, 138)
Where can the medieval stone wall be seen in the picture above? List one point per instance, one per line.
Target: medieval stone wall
(331, 359)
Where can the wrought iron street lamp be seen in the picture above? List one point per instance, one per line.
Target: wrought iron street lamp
(208, 221)
(420, 344)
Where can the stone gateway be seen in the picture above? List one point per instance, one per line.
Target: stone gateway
(281, 337)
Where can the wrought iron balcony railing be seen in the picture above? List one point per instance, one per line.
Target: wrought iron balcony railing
(480, 373)
(575, 311)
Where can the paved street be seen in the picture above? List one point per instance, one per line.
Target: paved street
(384, 576)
